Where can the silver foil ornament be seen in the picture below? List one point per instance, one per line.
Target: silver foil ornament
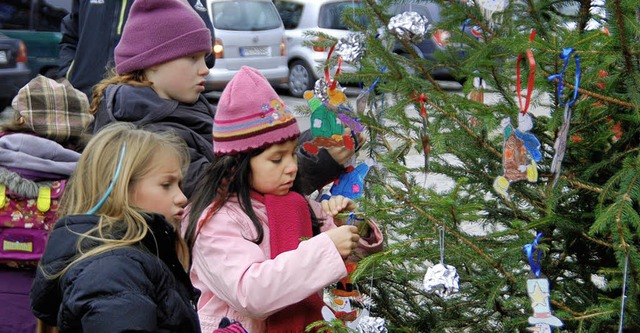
(352, 47)
(409, 26)
(321, 89)
(372, 325)
(441, 279)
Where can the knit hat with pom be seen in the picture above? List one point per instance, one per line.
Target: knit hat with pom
(250, 115)
(158, 31)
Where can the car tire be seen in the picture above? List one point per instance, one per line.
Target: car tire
(301, 78)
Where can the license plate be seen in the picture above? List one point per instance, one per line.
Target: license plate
(255, 51)
(3, 57)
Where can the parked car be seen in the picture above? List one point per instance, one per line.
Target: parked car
(301, 17)
(248, 32)
(37, 24)
(14, 72)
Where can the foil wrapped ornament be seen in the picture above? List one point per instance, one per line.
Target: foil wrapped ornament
(321, 89)
(409, 26)
(372, 325)
(441, 279)
(352, 47)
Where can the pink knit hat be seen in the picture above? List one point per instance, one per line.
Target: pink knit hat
(158, 31)
(250, 115)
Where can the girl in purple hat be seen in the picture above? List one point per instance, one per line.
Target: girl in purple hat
(158, 82)
(261, 252)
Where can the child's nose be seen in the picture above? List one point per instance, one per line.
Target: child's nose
(181, 199)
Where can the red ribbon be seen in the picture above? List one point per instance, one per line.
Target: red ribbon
(532, 70)
(332, 83)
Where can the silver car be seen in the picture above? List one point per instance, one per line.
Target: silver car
(301, 17)
(248, 33)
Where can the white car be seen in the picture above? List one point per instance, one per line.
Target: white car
(248, 33)
(301, 17)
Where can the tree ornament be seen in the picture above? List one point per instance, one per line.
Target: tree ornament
(409, 27)
(520, 152)
(320, 89)
(441, 279)
(326, 127)
(372, 325)
(560, 144)
(538, 290)
(352, 48)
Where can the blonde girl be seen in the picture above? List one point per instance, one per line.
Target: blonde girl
(114, 262)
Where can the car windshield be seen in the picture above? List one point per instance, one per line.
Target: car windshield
(245, 15)
(331, 15)
(290, 13)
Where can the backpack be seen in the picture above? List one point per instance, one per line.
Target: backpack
(33, 175)
(28, 211)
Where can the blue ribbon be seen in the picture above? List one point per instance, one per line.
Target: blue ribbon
(529, 249)
(111, 184)
(566, 55)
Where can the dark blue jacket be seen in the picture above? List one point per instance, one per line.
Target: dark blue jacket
(90, 33)
(140, 288)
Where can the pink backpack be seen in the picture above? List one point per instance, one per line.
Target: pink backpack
(28, 211)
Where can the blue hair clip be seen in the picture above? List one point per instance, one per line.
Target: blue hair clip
(112, 183)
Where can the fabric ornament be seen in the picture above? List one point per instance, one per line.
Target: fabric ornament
(352, 47)
(410, 27)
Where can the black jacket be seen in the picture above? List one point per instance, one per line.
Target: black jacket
(194, 123)
(90, 33)
(139, 288)
(143, 107)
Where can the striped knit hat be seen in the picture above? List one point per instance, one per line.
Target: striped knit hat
(250, 115)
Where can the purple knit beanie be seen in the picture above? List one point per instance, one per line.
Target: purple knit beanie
(158, 31)
(250, 115)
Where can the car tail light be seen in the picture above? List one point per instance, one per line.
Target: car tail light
(22, 53)
(218, 49)
(440, 37)
(283, 47)
(318, 48)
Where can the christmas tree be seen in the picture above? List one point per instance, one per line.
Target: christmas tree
(569, 173)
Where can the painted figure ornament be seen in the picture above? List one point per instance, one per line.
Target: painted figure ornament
(326, 127)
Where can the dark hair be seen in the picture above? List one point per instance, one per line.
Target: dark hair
(227, 176)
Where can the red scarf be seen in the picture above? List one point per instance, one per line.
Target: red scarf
(289, 221)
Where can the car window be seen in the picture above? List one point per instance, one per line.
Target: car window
(331, 15)
(245, 15)
(290, 13)
(46, 16)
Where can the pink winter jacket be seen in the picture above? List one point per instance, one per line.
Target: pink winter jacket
(238, 279)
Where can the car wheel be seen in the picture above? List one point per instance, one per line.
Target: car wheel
(301, 78)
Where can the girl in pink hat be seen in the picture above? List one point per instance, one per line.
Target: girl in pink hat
(261, 252)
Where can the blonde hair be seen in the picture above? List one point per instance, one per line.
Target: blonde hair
(135, 78)
(93, 176)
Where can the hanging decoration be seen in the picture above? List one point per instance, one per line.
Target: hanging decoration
(490, 7)
(538, 291)
(560, 144)
(352, 48)
(479, 85)
(441, 279)
(410, 27)
(521, 149)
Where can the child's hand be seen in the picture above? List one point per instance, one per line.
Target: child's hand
(337, 204)
(345, 238)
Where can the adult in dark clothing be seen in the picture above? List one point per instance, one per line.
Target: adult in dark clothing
(161, 91)
(90, 33)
